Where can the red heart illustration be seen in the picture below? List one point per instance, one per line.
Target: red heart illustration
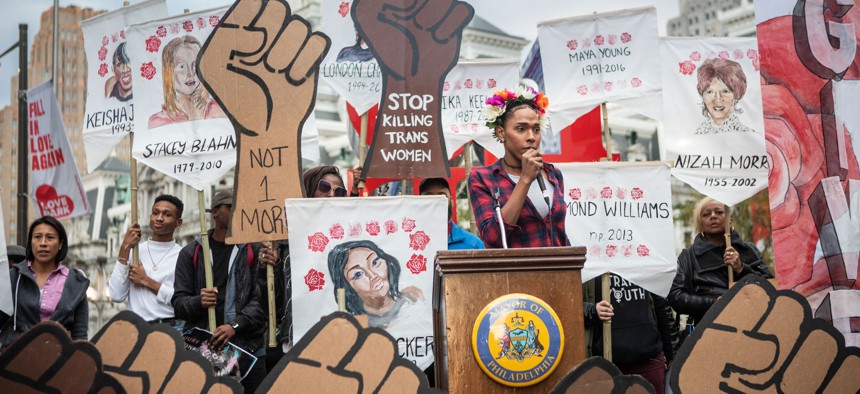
(51, 204)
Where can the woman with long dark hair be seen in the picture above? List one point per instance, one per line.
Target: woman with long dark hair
(45, 289)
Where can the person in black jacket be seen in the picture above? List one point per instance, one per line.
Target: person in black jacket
(234, 270)
(702, 276)
(642, 331)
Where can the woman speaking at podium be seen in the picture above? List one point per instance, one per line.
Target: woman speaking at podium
(528, 191)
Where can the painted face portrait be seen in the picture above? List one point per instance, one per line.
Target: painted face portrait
(719, 101)
(185, 80)
(369, 276)
(367, 273)
(721, 85)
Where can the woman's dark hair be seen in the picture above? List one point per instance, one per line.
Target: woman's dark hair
(119, 55)
(61, 232)
(337, 259)
(511, 107)
(312, 178)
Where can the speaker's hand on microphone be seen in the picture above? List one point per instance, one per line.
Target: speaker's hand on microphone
(532, 164)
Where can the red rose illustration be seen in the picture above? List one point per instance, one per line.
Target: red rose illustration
(355, 229)
(161, 31)
(738, 54)
(611, 250)
(114, 37)
(317, 242)
(213, 20)
(122, 34)
(390, 227)
(627, 250)
(724, 55)
(468, 83)
(575, 193)
(643, 251)
(606, 193)
(695, 56)
(152, 44)
(105, 41)
(586, 43)
(613, 39)
(147, 70)
(479, 84)
(607, 86)
(598, 40)
(590, 193)
(336, 231)
(372, 228)
(595, 250)
(201, 23)
(626, 37)
(315, 280)
(686, 67)
(417, 264)
(572, 45)
(752, 53)
(582, 89)
(408, 224)
(635, 82)
(103, 70)
(188, 26)
(755, 63)
(343, 9)
(446, 86)
(491, 83)
(419, 240)
(174, 28)
(621, 193)
(102, 54)
(636, 193)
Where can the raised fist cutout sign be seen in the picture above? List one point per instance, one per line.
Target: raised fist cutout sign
(416, 43)
(261, 64)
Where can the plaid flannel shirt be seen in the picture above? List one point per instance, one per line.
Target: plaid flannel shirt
(530, 231)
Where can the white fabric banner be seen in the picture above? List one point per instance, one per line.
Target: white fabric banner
(109, 112)
(622, 212)
(464, 93)
(179, 129)
(715, 135)
(55, 184)
(591, 59)
(349, 66)
(381, 251)
(5, 281)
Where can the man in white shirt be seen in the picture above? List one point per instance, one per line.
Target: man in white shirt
(149, 286)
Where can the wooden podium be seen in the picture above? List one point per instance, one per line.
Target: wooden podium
(468, 280)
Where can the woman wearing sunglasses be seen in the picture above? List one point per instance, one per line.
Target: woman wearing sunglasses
(324, 181)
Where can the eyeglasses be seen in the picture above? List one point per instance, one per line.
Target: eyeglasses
(325, 187)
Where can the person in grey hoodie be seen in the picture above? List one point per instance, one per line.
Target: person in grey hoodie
(45, 289)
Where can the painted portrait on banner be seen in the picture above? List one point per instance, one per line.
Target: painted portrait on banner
(715, 136)
(180, 129)
(810, 88)
(349, 67)
(109, 112)
(381, 252)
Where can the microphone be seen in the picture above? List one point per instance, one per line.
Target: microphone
(542, 186)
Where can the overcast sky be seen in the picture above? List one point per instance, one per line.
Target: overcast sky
(517, 17)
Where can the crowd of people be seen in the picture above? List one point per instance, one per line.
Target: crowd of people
(518, 202)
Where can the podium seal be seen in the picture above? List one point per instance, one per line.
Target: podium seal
(517, 340)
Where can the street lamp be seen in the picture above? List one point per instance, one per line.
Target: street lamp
(98, 293)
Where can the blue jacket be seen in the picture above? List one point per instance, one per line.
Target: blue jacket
(72, 310)
(458, 238)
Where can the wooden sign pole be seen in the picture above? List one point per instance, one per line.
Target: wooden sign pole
(207, 254)
(604, 279)
(135, 214)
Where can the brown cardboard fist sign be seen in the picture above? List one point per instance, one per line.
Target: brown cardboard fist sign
(416, 43)
(261, 65)
(596, 375)
(758, 339)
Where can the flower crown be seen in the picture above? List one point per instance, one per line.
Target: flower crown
(501, 99)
